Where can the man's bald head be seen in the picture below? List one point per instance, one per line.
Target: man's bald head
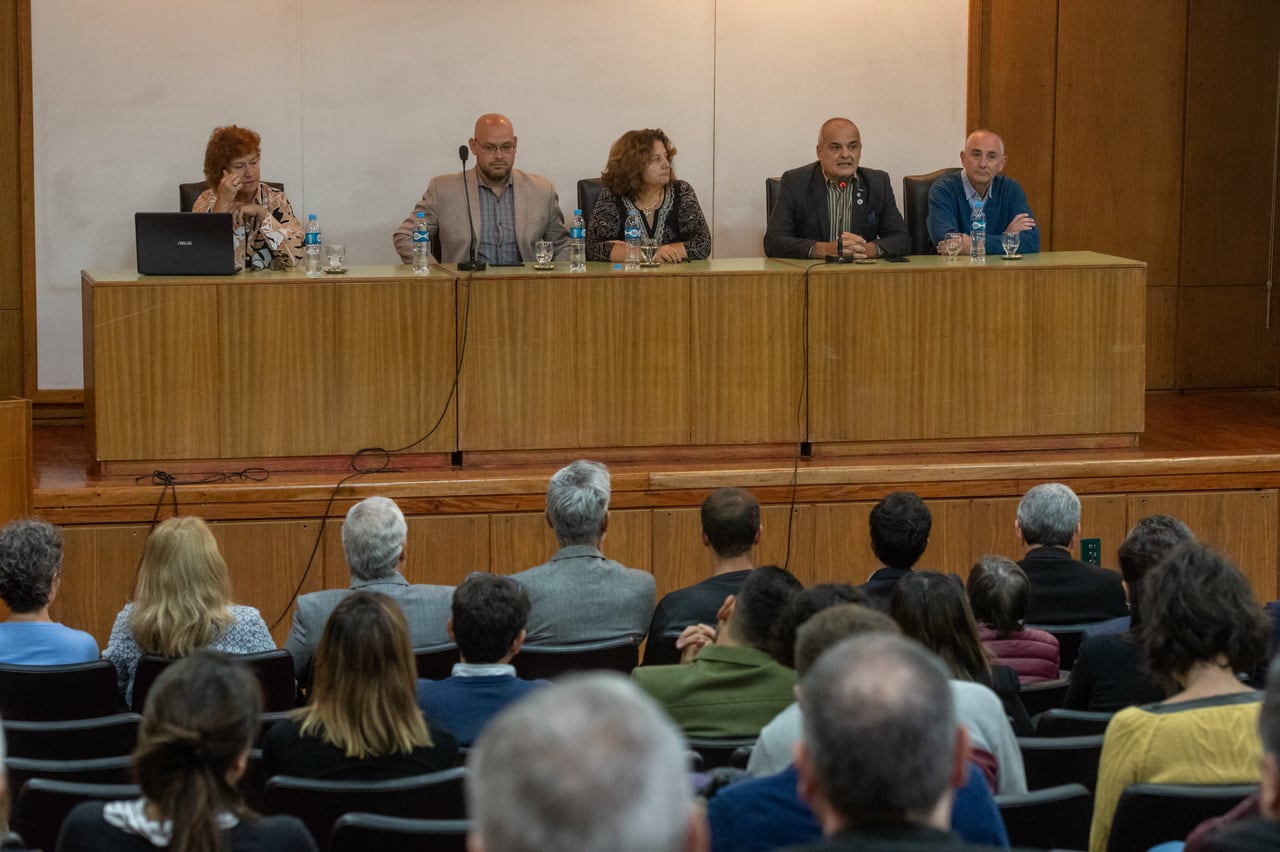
(494, 145)
(839, 148)
(982, 158)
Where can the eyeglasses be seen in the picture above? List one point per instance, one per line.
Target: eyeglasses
(505, 147)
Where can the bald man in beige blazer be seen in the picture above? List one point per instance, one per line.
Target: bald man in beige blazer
(534, 207)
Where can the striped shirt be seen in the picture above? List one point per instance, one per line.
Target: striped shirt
(498, 226)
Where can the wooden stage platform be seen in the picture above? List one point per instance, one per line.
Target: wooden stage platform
(1211, 458)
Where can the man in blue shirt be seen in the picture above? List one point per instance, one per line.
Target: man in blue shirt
(952, 198)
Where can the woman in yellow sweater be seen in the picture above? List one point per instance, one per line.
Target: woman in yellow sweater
(1201, 626)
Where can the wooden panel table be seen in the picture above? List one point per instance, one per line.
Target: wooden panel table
(267, 365)
(1049, 349)
(748, 355)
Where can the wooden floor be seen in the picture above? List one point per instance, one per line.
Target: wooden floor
(1192, 441)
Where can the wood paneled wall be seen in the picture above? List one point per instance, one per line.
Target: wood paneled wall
(1148, 130)
(829, 542)
(17, 241)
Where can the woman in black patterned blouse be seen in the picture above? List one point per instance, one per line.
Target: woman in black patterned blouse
(639, 178)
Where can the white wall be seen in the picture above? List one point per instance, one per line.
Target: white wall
(360, 103)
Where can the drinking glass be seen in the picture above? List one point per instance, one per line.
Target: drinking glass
(544, 251)
(1010, 243)
(952, 243)
(649, 250)
(337, 253)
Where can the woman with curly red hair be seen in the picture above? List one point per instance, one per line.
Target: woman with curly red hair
(268, 235)
(639, 179)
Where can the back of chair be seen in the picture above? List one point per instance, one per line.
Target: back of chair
(319, 804)
(549, 661)
(57, 693)
(588, 192)
(189, 192)
(1148, 814)
(436, 662)
(43, 804)
(1059, 722)
(661, 650)
(1056, 818)
(1043, 695)
(728, 751)
(360, 832)
(915, 208)
(772, 186)
(1052, 761)
(275, 673)
(98, 770)
(148, 669)
(1069, 637)
(75, 739)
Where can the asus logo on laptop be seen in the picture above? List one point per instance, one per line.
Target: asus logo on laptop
(185, 242)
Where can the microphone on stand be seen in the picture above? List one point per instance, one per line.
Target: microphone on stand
(839, 256)
(471, 265)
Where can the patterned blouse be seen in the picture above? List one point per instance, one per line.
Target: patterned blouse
(274, 243)
(247, 634)
(678, 219)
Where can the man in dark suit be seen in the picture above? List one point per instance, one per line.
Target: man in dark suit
(373, 537)
(1063, 590)
(900, 525)
(882, 753)
(834, 207)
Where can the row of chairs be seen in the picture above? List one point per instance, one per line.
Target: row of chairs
(88, 690)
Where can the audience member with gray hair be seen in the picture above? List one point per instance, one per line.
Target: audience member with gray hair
(766, 812)
(882, 751)
(30, 576)
(580, 596)
(373, 539)
(1063, 589)
(590, 763)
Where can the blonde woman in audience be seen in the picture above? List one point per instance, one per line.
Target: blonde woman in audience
(363, 721)
(182, 601)
(1200, 626)
(200, 719)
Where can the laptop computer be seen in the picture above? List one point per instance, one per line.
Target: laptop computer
(185, 244)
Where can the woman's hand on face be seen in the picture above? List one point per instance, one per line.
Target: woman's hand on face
(673, 253)
(226, 191)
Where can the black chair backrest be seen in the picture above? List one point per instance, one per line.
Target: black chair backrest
(73, 739)
(254, 780)
(549, 661)
(360, 832)
(56, 693)
(771, 188)
(148, 669)
(275, 674)
(731, 751)
(43, 804)
(436, 662)
(1059, 722)
(1052, 761)
(189, 192)
(268, 719)
(661, 650)
(1148, 814)
(588, 192)
(1069, 637)
(319, 804)
(98, 770)
(1055, 818)
(915, 208)
(1043, 695)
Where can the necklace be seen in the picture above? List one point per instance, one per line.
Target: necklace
(649, 208)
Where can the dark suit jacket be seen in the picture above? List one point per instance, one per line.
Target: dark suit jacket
(880, 585)
(1064, 591)
(906, 838)
(799, 217)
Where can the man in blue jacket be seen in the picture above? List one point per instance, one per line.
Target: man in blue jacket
(952, 198)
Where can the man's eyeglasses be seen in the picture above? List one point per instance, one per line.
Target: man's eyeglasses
(505, 147)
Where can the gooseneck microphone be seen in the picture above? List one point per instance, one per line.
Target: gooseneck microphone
(470, 265)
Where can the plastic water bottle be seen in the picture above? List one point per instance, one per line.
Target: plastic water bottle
(313, 245)
(421, 245)
(978, 234)
(632, 234)
(578, 243)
